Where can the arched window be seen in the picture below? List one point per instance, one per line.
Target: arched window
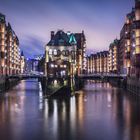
(55, 52)
(58, 52)
(50, 52)
(65, 52)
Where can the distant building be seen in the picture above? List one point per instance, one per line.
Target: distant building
(65, 54)
(130, 42)
(114, 57)
(22, 63)
(31, 65)
(41, 64)
(97, 63)
(9, 49)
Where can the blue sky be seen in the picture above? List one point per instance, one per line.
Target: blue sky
(32, 20)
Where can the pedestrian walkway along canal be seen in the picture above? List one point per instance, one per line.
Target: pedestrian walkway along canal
(98, 112)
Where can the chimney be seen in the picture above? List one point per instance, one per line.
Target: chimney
(52, 35)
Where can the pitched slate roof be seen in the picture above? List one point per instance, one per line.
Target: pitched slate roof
(60, 38)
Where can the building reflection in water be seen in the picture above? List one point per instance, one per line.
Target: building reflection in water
(99, 111)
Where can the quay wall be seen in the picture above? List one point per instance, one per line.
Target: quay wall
(6, 84)
(133, 85)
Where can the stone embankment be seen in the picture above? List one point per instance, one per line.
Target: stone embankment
(133, 85)
(6, 84)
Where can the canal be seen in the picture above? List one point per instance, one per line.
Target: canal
(98, 112)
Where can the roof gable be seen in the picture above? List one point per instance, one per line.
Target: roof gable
(60, 39)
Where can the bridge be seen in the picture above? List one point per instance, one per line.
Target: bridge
(102, 76)
(11, 80)
(25, 76)
(83, 76)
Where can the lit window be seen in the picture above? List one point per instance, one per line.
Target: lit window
(56, 66)
(52, 65)
(137, 50)
(55, 52)
(133, 45)
(55, 82)
(50, 52)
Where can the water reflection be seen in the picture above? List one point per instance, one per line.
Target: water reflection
(99, 112)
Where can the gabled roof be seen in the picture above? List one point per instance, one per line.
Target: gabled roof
(60, 39)
(115, 43)
(72, 39)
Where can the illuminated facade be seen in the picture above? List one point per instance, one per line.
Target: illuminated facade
(22, 63)
(61, 55)
(65, 54)
(130, 42)
(9, 49)
(2, 43)
(122, 56)
(32, 65)
(113, 57)
(80, 52)
(97, 63)
(135, 42)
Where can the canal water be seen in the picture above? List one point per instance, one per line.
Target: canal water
(98, 112)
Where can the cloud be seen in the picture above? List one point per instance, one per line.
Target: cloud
(33, 20)
(32, 46)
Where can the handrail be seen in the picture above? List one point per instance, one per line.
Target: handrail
(103, 75)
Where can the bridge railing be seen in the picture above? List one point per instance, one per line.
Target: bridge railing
(25, 76)
(103, 75)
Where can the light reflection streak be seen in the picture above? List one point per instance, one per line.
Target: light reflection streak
(55, 118)
(73, 113)
(40, 97)
(64, 110)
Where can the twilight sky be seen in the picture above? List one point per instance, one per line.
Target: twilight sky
(32, 20)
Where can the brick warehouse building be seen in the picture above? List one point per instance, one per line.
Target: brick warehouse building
(124, 54)
(65, 54)
(98, 63)
(10, 58)
(130, 42)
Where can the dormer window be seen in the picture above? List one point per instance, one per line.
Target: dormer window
(61, 42)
